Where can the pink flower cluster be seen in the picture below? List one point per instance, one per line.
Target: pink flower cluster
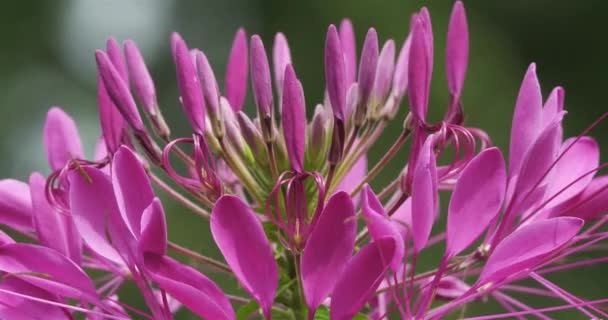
(288, 200)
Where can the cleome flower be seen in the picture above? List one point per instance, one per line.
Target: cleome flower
(288, 198)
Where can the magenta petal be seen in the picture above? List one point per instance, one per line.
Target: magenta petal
(17, 308)
(118, 90)
(475, 202)
(349, 47)
(281, 57)
(424, 195)
(115, 54)
(54, 229)
(240, 237)
(91, 202)
(61, 139)
(335, 73)
(384, 71)
(589, 204)
(5, 238)
(379, 224)
(400, 77)
(367, 66)
(554, 105)
(209, 85)
(360, 279)
(112, 123)
(328, 249)
(528, 246)
(457, 49)
(153, 237)
(15, 205)
(527, 120)
(260, 77)
(189, 85)
(580, 159)
(236, 71)
(132, 188)
(419, 72)
(63, 278)
(140, 77)
(190, 287)
(293, 119)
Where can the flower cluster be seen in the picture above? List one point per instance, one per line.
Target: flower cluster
(288, 200)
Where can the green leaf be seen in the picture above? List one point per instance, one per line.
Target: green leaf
(246, 310)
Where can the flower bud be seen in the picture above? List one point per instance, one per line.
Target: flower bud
(384, 75)
(349, 47)
(293, 119)
(236, 71)
(252, 136)
(367, 74)
(457, 50)
(262, 88)
(335, 77)
(210, 92)
(281, 57)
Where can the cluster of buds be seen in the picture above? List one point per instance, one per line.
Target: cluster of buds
(288, 200)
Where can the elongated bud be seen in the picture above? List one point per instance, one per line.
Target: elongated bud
(144, 87)
(352, 100)
(400, 77)
(319, 128)
(233, 132)
(281, 57)
(118, 91)
(252, 135)
(335, 77)
(367, 74)
(349, 47)
(114, 52)
(189, 85)
(61, 138)
(425, 16)
(236, 71)
(384, 75)
(419, 72)
(112, 122)
(210, 92)
(457, 50)
(293, 119)
(262, 87)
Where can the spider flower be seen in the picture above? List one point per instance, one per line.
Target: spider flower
(289, 199)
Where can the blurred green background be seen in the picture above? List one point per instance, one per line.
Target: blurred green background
(47, 59)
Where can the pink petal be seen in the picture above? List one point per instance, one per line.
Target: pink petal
(61, 139)
(54, 229)
(379, 224)
(91, 202)
(281, 57)
(353, 177)
(367, 67)
(527, 120)
(384, 72)
(402, 218)
(424, 195)
(328, 249)
(140, 77)
(419, 72)
(554, 105)
(335, 73)
(349, 47)
(189, 85)
(589, 204)
(260, 77)
(112, 123)
(457, 50)
(293, 118)
(236, 71)
(580, 159)
(17, 308)
(15, 205)
(132, 188)
(361, 278)
(5, 238)
(240, 237)
(153, 237)
(400, 77)
(209, 85)
(528, 246)
(191, 288)
(115, 54)
(475, 202)
(65, 278)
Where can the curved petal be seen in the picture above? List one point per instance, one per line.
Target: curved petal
(91, 201)
(335, 73)
(236, 71)
(54, 229)
(61, 139)
(588, 204)
(554, 105)
(527, 120)
(527, 246)
(153, 237)
(360, 278)
(240, 237)
(457, 49)
(191, 288)
(475, 202)
(293, 119)
(424, 195)
(15, 205)
(17, 308)
(353, 177)
(379, 225)
(132, 188)
(328, 249)
(581, 158)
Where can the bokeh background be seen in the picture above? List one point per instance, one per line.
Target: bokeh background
(46, 59)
